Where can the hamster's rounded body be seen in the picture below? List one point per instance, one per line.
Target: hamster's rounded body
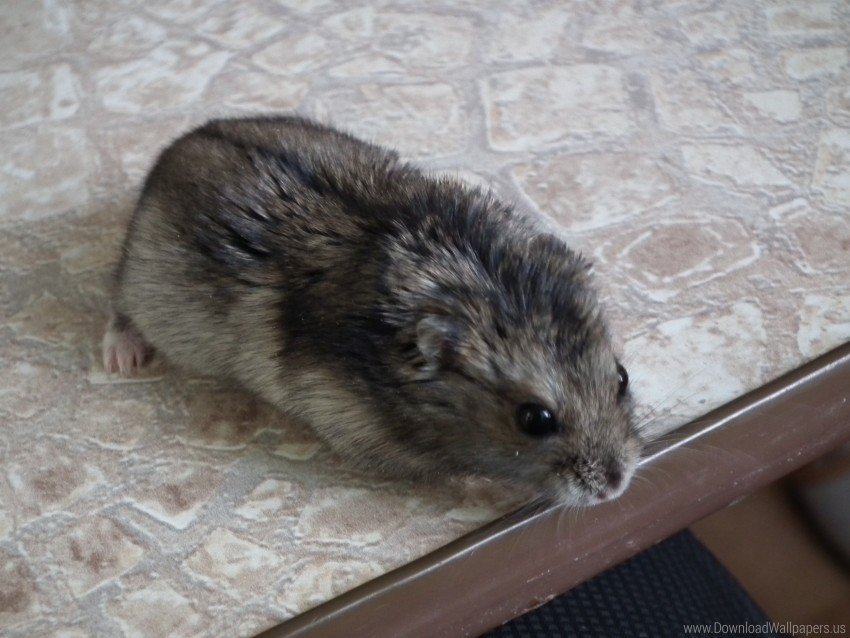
(421, 326)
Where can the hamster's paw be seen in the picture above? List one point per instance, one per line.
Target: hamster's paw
(124, 348)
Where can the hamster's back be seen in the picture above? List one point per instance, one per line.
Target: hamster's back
(238, 216)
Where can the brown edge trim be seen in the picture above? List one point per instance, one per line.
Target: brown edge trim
(526, 558)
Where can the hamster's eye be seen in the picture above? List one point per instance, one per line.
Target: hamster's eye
(622, 380)
(536, 420)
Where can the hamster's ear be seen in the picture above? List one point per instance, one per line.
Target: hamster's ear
(439, 338)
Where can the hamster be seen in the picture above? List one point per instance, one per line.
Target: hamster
(424, 328)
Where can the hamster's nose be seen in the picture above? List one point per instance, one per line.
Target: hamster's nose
(613, 481)
(614, 476)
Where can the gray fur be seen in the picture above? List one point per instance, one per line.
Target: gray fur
(406, 318)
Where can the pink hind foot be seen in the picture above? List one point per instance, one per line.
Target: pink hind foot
(124, 348)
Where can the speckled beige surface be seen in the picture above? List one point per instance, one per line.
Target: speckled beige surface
(698, 151)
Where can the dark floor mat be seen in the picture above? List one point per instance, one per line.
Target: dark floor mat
(657, 593)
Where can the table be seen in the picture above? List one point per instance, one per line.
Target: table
(697, 152)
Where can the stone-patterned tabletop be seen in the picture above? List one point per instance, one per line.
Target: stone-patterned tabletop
(698, 151)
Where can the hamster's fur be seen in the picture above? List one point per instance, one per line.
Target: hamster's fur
(423, 327)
